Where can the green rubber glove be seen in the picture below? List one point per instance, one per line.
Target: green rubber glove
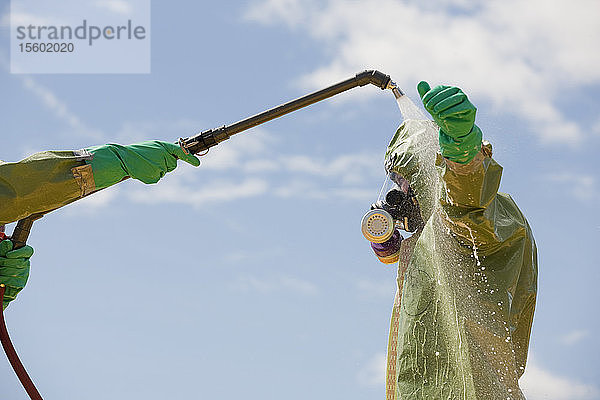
(146, 161)
(460, 138)
(14, 269)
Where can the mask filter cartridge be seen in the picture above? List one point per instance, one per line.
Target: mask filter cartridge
(377, 226)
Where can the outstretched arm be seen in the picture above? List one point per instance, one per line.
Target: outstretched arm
(51, 179)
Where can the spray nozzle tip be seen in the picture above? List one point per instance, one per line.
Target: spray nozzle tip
(395, 89)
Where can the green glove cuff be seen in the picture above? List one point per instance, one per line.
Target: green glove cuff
(146, 161)
(462, 149)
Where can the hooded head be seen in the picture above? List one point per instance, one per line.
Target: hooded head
(412, 155)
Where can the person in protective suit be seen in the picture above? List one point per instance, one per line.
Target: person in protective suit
(51, 179)
(467, 278)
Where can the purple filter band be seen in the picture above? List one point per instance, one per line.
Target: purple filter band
(389, 247)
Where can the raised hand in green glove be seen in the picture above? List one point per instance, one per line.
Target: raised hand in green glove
(146, 161)
(14, 269)
(460, 138)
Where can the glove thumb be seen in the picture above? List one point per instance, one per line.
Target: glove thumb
(5, 247)
(189, 158)
(23, 252)
(423, 87)
(178, 152)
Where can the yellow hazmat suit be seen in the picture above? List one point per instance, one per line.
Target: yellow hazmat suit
(467, 281)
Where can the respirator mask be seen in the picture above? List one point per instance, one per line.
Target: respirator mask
(396, 209)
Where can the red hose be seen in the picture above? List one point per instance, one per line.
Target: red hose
(13, 357)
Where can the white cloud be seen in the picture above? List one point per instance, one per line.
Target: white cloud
(59, 108)
(264, 165)
(5, 20)
(380, 290)
(293, 12)
(53, 103)
(239, 256)
(176, 190)
(575, 336)
(596, 127)
(540, 384)
(238, 151)
(349, 168)
(299, 187)
(583, 186)
(17, 18)
(372, 373)
(94, 203)
(116, 6)
(508, 52)
(279, 284)
(537, 383)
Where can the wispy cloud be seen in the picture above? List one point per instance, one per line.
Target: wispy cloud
(293, 12)
(5, 17)
(349, 168)
(582, 186)
(95, 203)
(120, 7)
(384, 290)
(275, 285)
(52, 102)
(177, 191)
(537, 383)
(59, 108)
(298, 187)
(18, 18)
(453, 41)
(372, 372)
(540, 384)
(575, 336)
(596, 127)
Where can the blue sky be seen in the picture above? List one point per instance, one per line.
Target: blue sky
(249, 276)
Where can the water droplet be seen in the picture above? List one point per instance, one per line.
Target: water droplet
(437, 353)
